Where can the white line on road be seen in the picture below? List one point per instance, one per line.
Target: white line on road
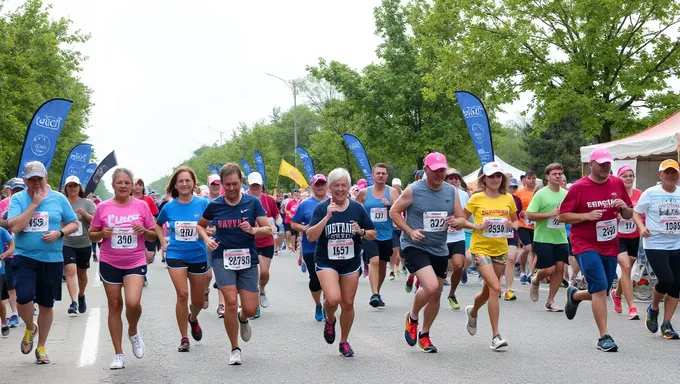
(97, 282)
(88, 352)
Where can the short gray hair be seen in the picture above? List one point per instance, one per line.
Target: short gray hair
(337, 174)
(122, 170)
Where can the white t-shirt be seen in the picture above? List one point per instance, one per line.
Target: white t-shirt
(662, 210)
(454, 236)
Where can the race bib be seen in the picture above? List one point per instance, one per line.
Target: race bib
(186, 231)
(497, 228)
(670, 225)
(554, 223)
(39, 222)
(627, 226)
(529, 223)
(124, 238)
(434, 221)
(79, 232)
(340, 249)
(606, 230)
(236, 259)
(378, 215)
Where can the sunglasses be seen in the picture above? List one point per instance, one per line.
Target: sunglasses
(451, 177)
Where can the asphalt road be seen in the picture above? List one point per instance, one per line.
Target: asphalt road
(287, 344)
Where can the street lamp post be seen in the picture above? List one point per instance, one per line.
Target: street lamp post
(293, 85)
(220, 132)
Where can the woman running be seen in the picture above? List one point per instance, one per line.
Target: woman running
(139, 192)
(77, 246)
(629, 243)
(123, 224)
(338, 225)
(234, 254)
(660, 230)
(495, 213)
(186, 255)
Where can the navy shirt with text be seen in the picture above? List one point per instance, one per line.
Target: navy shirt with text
(340, 227)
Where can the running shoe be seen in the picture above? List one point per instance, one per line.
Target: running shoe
(264, 302)
(206, 299)
(375, 300)
(118, 362)
(319, 313)
(404, 271)
(391, 276)
(220, 311)
(632, 314)
(5, 330)
(471, 324)
(411, 330)
(510, 296)
(381, 302)
(607, 344)
(652, 320)
(397, 271)
(257, 313)
(464, 277)
(82, 305)
(425, 344)
(196, 331)
(498, 342)
(184, 345)
(146, 282)
(346, 350)
(446, 283)
(41, 356)
(572, 305)
(13, 321)
(409, 283)
(95, 258)
(453, 302)
(27, 340)
(617, 301)
(565, 283)
(73, 308)
(667, 331)
(365, 271)
(523, 279)
(533, 292)
(235, 357)
(329, 331)
(552, 307)
(303, 267)
(246, 331)
(138, 346)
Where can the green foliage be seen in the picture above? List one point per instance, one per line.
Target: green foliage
(102, 191)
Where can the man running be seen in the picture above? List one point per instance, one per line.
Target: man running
(592, 206)
(455, 240)
(377, 200)
(526, 226)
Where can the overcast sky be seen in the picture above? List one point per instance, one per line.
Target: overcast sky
(162, 72)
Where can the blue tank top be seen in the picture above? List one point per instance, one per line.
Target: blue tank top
(379, 213)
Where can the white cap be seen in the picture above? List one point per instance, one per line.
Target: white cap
(34, 168)
(491, 168)
(255, 178)
(72, 179)
(396, 181)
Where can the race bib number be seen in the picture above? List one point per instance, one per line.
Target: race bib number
(670, 225)
(186, 231)
(554, 223)
(606, 230)
(236, 259)
(497, 228)
(79, 232)
(124, 238)
(627, 226)
(340, 249)
(378, 215)
(529, 223)
(434, 221)
(39, 222)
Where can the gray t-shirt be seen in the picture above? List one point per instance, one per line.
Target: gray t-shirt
(80, 239)
(428, 211)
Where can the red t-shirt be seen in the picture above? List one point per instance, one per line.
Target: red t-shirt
(269, 205)
(623, 224)
(586, 196)
(152, 206)
(291, 208)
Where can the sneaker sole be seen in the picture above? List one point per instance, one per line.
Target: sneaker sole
(407, 335)
(116, 369)
(612, 349)
(497, 347)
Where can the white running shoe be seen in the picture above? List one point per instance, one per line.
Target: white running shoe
(471, 321)
(246, 332)
(264, 302)
(118, 362)
(138, 346)
(235, 358)
(533, 291)
(498, 342)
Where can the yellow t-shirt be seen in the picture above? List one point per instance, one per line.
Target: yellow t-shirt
(492, 241)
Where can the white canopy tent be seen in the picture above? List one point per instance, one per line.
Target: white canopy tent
(505, 167)
(644, 150)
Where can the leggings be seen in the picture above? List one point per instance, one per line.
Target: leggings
(314, 284)
(666, 266)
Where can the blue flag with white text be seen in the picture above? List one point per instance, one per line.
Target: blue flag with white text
(246, 167)
(306, 162)
(477, 122)
(76, 162)
(360, 154)
(89, 171)
(259, 162)
(213, 170)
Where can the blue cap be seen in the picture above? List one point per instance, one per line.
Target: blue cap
(513, 182)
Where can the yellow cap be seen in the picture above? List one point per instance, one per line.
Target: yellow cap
(669, 163)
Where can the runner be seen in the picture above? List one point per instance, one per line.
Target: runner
(300, 223)
(377, 200)
(234, 253)
(16, 185)
(495, 214)
(660, 229)
(339, 225)
(526, 230)
(396, 262)
(186, 255)
(39, 218)
(408, 286)
(431, 207)
(215, 191)
(629, 239)
(550, 236)
(139, 192)
(592, 206)
(290, 208)
(77, 247)
(513, 243)
(455, 241)
(7, 249)
(123, 224)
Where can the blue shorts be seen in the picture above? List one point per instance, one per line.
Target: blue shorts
(245, 279)
(599, 270)
(37, 281)
(396, 238)
(468, 239)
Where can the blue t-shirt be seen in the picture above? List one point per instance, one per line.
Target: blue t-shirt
(49, 216)
(303, 216)
(339, 229)
(227, 219)
(6, 239)
(181, 220)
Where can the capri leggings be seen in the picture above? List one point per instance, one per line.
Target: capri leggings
(666, 266)
(314, 284)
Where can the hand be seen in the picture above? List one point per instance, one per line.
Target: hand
(594, 215)
(524, 215)
(39, 195)
(210, 231)
(483, 225)
(212, 244)
(245, 227)
(164, 245)
(300, 260)
(80, 211)
(555, 212)
(509, 225)
(108, 231)
(416, 235)
(356, 228)
(452, 221)
(332, 208)
(139, 229)
(644, 231)
(385, 202)
(51, 236)
(620, 204)
(3, 256)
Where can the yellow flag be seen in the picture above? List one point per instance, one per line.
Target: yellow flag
(292, 173)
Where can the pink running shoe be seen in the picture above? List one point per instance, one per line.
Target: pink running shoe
(617, 301)
(632, 314)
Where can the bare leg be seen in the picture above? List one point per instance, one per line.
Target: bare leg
(348, 290)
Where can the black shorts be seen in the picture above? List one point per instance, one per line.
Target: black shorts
(192, 268)
(396, 238)
(380, 248)
(456, 248)
(513, 242)
(267, 251)
(151, 245)
(9, 273)
(417, 259)
(78, 256)
(629, 246)
(4, 289)
(37, 281)
(526, 236)
(113, 275)
(288, 227)
(547, 255)
(342, 267)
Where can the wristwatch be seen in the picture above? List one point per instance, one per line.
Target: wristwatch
(363, 234)
(61, 233)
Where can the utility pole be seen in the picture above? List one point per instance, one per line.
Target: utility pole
(220, 132)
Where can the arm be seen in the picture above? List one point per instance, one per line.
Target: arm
(369, 234)
(161, 236)
(637, 218)
(626, 213)
(572, 218)
(18, 223)
(404, 201)
(317, 224)
(263, 229)
(361, 197)
(70, 228)
(8, 252)
(98, 234)
(298, 227)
